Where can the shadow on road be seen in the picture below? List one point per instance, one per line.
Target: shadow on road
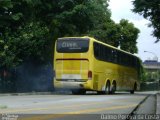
(115, 94)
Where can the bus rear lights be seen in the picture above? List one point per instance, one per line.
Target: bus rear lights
(89, 75)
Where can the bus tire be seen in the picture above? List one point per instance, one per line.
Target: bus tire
(134, 89)
(113, 88)
(100, 92)
(78, 92)
(107, 88)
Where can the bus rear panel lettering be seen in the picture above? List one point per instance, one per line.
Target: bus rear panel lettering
(72, 45)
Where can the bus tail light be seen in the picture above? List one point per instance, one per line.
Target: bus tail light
(89, 75)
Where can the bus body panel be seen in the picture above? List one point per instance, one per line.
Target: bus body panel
(72, 69)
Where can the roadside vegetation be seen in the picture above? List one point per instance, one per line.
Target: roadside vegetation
(29, 28)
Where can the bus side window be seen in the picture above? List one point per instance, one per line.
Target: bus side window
(96, 50)
(119, 61)
(110, 55)
(122, 59)
(130, 61)
(114, 52)
(135, 62)
(107, 54)
(102, 52)
(127, 60)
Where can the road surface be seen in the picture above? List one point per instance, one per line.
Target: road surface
(67, 106)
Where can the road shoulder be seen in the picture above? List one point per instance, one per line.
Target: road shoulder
(158, 103)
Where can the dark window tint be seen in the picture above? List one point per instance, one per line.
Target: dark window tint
(72, 45)
(105, 53)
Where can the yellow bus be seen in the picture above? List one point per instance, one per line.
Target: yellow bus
(85, 64)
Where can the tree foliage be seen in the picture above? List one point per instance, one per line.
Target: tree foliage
(129, 35)
(150, 9)
(123, 35)
(29, 42)
(29, 28)
(107, 31)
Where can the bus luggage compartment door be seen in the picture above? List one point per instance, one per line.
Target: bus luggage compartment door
(72, 69)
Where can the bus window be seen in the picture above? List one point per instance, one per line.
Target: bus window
(72, 45)
(114, 56)
(96, 50)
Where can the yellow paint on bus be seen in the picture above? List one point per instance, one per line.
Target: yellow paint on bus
(84, 63)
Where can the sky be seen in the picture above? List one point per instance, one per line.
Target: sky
(121, 9)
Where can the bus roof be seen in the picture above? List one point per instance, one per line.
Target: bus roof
(91, 38)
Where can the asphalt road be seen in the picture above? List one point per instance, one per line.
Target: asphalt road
(48, 107)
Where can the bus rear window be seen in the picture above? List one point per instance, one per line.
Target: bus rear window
(72, 45)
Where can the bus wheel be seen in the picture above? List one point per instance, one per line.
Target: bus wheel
(78, 92)
(107, 89)
(113, 88)
(134, 88)
(100, 92)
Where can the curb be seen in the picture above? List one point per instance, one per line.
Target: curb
(158, 103)
(37, 93)
(30, 93)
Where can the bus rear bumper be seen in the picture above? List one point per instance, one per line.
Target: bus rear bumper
(71, 85)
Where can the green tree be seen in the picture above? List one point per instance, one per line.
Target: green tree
(23, 35)
(29, 43)
(142, 73)
(150, 9)
(29, 28)
(32, 26)
(6, 56)
(129, 36)
(123, 35)
(4, 13)
(8, 17)
(107, 31)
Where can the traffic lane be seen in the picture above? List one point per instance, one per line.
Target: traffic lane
(29, 100)
(94, 113)
(73, 104)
